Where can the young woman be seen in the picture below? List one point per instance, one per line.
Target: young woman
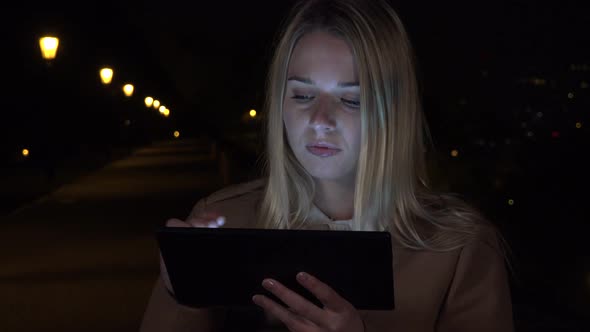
(346, 145)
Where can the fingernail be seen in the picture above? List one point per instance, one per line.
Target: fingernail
(256, 299)
(212, 224)
(220, 221)
(266, 283)
(302, 276)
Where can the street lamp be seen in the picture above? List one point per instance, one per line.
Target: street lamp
(148, 101)
(48, 46)
(106, 75)
(162, 109)
(156, 104)
(128, 90)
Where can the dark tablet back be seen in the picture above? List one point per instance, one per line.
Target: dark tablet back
(225, 266)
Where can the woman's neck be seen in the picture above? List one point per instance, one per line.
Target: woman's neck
(335, 199)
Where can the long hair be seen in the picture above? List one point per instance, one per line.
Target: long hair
(392, 189)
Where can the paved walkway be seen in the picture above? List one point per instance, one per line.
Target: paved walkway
(84, 258)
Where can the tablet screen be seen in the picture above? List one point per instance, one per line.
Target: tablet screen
(210, 267)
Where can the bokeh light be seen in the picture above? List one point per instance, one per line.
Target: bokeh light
(106, 75)
(128, 89)
(149, 101)
(48, 47)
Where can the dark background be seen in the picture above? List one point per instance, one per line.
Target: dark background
(503, 83)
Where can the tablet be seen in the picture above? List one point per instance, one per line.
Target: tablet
(224, 267)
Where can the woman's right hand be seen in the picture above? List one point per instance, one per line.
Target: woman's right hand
(205, 219)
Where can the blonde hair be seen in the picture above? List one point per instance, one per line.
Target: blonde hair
(392, 191)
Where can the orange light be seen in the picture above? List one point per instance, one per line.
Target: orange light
(128, 90)
(149, 101)
(106, 75)
(48, 47)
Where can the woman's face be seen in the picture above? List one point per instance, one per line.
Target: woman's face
(321, 107)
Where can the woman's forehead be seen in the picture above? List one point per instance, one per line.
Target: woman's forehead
(318, 55)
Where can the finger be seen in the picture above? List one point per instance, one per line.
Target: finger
(209, 215)
(297, 303)
(176, 223)
(211, 223)
(293, 322)
(329, 298)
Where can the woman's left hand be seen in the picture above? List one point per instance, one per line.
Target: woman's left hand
(337, 315)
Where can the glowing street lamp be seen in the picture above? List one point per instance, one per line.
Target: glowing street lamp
(25, 152)
(48, 47)
(106, 75)
(148, 101)
(161, 109)
(156, 104)
(252, 113)
(176, 134)
(166, 113)
(128, 90)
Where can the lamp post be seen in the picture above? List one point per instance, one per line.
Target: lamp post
(49, 46)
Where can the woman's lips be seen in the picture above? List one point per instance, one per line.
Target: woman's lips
(322, 150)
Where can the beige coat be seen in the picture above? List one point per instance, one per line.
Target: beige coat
(462, 290)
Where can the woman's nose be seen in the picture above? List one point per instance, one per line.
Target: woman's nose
(322, 117)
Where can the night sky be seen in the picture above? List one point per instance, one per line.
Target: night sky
(504, 83)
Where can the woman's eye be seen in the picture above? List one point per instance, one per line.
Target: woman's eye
(351, 103)
(302, 98)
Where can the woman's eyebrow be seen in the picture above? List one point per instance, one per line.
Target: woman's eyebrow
(306, 80)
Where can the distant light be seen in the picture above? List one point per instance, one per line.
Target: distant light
(156, 104)
(128, 89)
(584, 85)
(161, 109)
(166, 112)
(25, 152)
(253, 113)
(462, 101)
(106, 75)
(539, 114)
(176, 134)
(510, 202)
(523, 124)
(127, 123)
(454, 153)
(538, 81)
(555, 134)
(578, 125)
(570, 95)
(507, 141)
(48, 47)
(149, 101)
(530, 134)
